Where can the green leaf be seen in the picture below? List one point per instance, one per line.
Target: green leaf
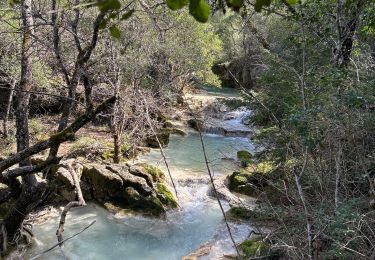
(200, 10)
(291, 2)
(115, 31)
(13, 2)
(260, 3)
(103, 24)
(112, 16)
(127, 15)
(108, 5)
(235, 4)
(176, 4)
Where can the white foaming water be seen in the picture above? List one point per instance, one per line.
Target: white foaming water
(198, 220)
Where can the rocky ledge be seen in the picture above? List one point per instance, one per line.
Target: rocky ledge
(139, 187)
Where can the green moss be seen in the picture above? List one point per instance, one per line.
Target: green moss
(107, 155)
(239, 213)
(256, 215)
(236, 179)
(38, 130)
(240, 180)
(83, 142)
(244, 157)
(166, 196)
(254, 247)
(156, 207)
(157, 174)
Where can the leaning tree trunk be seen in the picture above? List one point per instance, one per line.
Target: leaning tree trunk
(29, 195)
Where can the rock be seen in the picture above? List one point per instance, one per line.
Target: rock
(138, 187)
(223, 108)
(151, 173)
(168, 124)
(196, 124)
(245, 183)
(252, 214)
(254, 248)
(173, 131)
(202, 250)
(246, 120)
(65, 184)
(166, 196)
(130, 180)
(153, 142)
(104, 183)
(6, 205)
(221, 185)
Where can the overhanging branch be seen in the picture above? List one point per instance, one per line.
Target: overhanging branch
(60, 137)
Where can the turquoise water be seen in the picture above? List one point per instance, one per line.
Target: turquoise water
(136, 238)
(185, 155)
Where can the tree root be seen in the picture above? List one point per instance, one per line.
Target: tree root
(70, 205)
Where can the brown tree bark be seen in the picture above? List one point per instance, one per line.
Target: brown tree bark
(29, 195)
(7, 110)
(347, 20)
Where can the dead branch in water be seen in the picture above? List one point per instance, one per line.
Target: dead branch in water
(70, 205)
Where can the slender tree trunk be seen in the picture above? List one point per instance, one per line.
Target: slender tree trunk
(29, 195)
(7, 111)
(347, 19)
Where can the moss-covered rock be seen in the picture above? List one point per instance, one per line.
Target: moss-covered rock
(244, 157)
(157, 174)
(248, 183)
(138, 187)
(241, 183)
(254, 248)
(166, 196)
(258, 248)
(255, 215)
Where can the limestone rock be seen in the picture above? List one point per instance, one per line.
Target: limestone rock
(153, 142)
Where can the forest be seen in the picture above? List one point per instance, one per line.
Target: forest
(187, 129)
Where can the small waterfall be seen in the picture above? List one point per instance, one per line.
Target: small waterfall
(231, 124)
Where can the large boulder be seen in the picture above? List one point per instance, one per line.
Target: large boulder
(139, 187)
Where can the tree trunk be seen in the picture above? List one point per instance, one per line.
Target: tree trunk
(29, 195)
(7, 111)
(347, 19)
(116, 155)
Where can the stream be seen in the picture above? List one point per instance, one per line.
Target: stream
(198, 221)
